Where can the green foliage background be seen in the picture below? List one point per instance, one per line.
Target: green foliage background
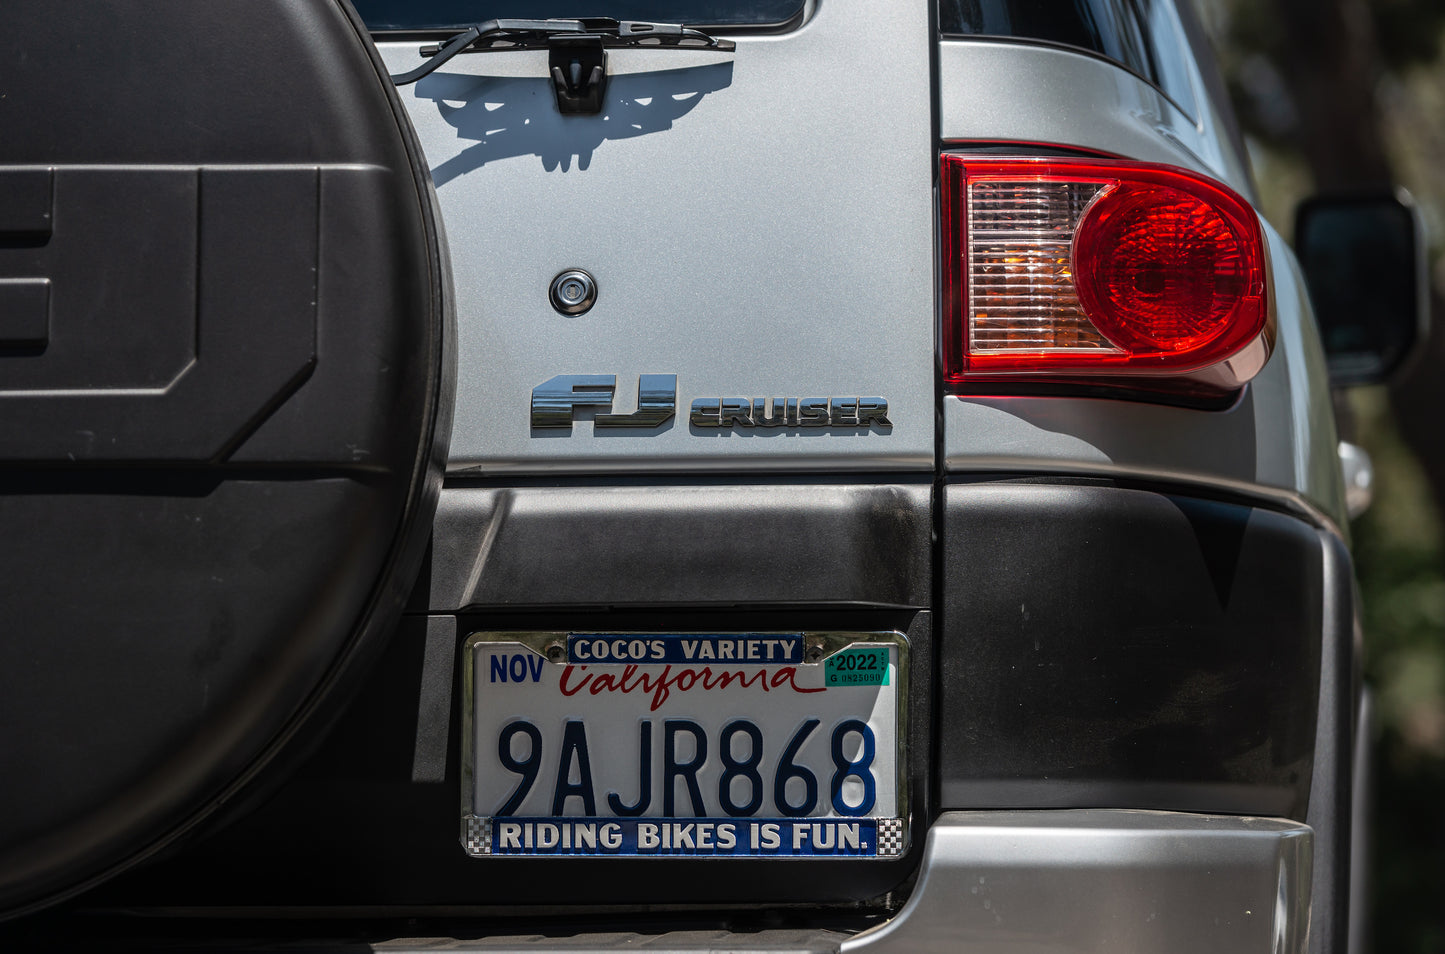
(1398, 558)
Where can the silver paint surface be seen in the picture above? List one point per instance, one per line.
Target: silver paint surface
(991, 91)
(758, 220)
(760, 232)
(1104, 882)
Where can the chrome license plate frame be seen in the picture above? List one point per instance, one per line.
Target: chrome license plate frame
(835, 664)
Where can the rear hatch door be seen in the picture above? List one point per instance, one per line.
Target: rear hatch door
(759, 224)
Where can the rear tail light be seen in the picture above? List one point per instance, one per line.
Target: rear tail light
(1099, 272)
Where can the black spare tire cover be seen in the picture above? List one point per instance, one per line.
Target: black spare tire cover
(223, 402)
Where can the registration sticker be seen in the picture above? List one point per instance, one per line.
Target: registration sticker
(718, 745)
(857, 667)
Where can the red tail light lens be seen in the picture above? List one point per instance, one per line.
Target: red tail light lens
(1099, 271)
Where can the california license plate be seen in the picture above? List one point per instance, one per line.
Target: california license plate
(718, 745)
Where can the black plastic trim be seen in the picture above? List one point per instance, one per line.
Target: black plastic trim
(609, 544)
(731, 29)
(1332, 788)
(1105, 647)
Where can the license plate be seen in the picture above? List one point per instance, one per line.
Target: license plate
(717, 745)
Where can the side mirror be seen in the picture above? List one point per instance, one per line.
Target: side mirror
(1364, 262)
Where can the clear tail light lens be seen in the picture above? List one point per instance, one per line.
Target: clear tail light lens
(1101, 272)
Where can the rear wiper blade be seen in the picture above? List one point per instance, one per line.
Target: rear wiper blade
(498, 35)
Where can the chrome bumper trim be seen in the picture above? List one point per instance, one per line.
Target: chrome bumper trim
(1113, 882)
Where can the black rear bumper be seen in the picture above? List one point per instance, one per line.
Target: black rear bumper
(1117, 648)
(1073, 646)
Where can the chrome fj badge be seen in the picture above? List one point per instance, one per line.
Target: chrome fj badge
(555, 404)
(557, 400)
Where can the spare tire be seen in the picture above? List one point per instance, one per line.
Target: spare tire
(223, 405)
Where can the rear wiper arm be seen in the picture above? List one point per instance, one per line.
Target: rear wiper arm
(497, 35)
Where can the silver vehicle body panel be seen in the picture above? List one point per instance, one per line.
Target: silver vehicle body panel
(1278, 441)
(799, 259)
(1106, 882)
(758, 223)
(991, 91)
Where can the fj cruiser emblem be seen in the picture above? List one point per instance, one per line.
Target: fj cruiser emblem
(556, 401)
(790, 412)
